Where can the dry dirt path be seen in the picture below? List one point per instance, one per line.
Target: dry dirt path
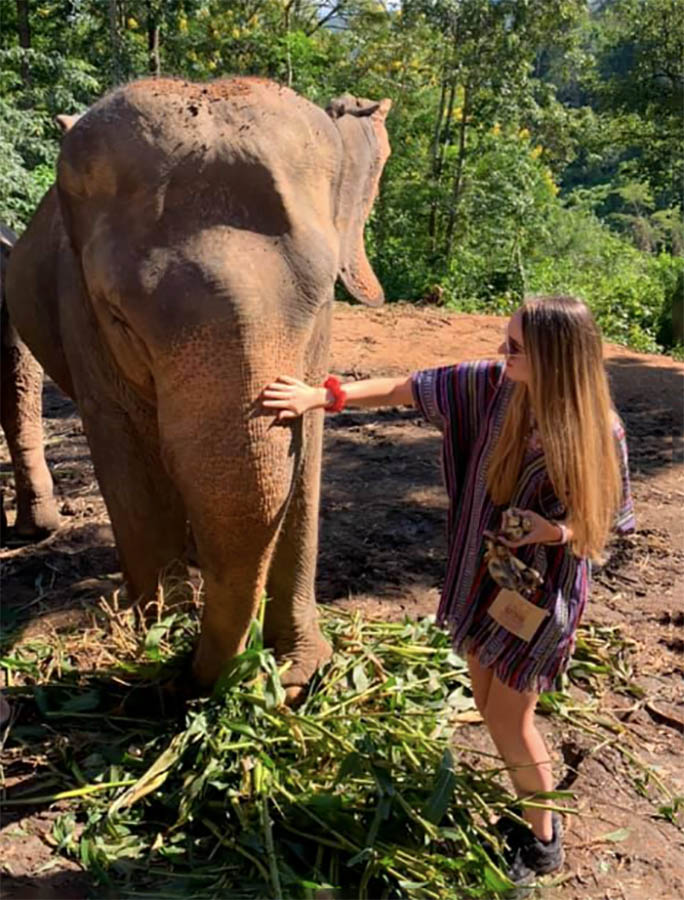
(383, 550)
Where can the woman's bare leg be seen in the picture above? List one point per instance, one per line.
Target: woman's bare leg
(480, 680)
(509, 715)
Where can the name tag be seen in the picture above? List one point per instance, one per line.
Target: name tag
(516, 614)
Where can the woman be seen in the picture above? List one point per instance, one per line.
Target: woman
(537, 433)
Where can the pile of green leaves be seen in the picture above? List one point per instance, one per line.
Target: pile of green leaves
(357, 791)
(363, 791)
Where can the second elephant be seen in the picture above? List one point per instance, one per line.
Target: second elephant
(21, 384)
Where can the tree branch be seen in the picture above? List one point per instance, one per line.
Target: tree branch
(321, 22)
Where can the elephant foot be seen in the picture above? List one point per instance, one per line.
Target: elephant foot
(36, 519)
(305, 662)
(304, 659)
(295, 695)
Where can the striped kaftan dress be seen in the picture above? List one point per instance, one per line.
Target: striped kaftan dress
(468, 402)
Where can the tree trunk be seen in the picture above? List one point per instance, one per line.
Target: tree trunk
(458, 177)
(446, 142)
(116, 44)
(153, 30)
(24, 30)
(435, 162)
(290, 72)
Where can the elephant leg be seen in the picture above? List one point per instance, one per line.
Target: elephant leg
(146, 511)
(234, 533)
(291, 621)
(233, 589)
(21, 411)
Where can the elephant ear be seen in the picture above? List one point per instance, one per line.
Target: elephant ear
(7, 237)
(365, 149)
(66, 123)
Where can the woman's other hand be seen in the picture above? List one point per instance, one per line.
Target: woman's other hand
(540, 531)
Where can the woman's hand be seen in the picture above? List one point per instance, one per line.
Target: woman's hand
(541, 531)
(291, 397)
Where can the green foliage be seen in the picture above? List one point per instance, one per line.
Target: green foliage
(353, 792)
(628, 291)
(514, 124)
(504, 214)
(21, 187)
(36, 84)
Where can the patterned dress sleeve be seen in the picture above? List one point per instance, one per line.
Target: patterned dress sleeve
(456, 398)
(430, 394)
(624, 520)
(549, 505)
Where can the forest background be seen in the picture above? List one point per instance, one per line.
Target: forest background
(537, 145)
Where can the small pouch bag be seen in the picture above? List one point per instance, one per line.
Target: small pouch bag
(510, 608)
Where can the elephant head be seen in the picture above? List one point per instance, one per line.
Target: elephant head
(361, 126)
(260, 159)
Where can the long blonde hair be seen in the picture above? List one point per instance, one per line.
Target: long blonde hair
(571, 400)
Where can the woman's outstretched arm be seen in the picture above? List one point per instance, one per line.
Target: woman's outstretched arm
(290, 397)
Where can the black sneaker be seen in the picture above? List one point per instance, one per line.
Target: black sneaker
(527, 856)
(512, 834)
(506, 826)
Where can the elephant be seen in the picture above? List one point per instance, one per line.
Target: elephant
(21, 384)
(186, 257)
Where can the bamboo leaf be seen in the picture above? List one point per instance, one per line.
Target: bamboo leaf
(154, 777)
(444, 785)
(614, 837)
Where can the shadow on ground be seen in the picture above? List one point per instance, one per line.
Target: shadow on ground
(650, 400)
(383, 508)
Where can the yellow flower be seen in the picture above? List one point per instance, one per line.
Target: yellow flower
(550, 183)
(211, 65)
(524, 133)
(183, 25)
(132, 23)
(496, 129)
(236, 32)
(536, 152)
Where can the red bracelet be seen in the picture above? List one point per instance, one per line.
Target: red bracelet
(333, 385)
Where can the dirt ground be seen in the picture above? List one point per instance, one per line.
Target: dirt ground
(383, 551)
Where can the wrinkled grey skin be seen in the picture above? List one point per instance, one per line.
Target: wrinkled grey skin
(21, 383)
(186, 259)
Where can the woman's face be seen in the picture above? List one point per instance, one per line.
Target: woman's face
(513, 348)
